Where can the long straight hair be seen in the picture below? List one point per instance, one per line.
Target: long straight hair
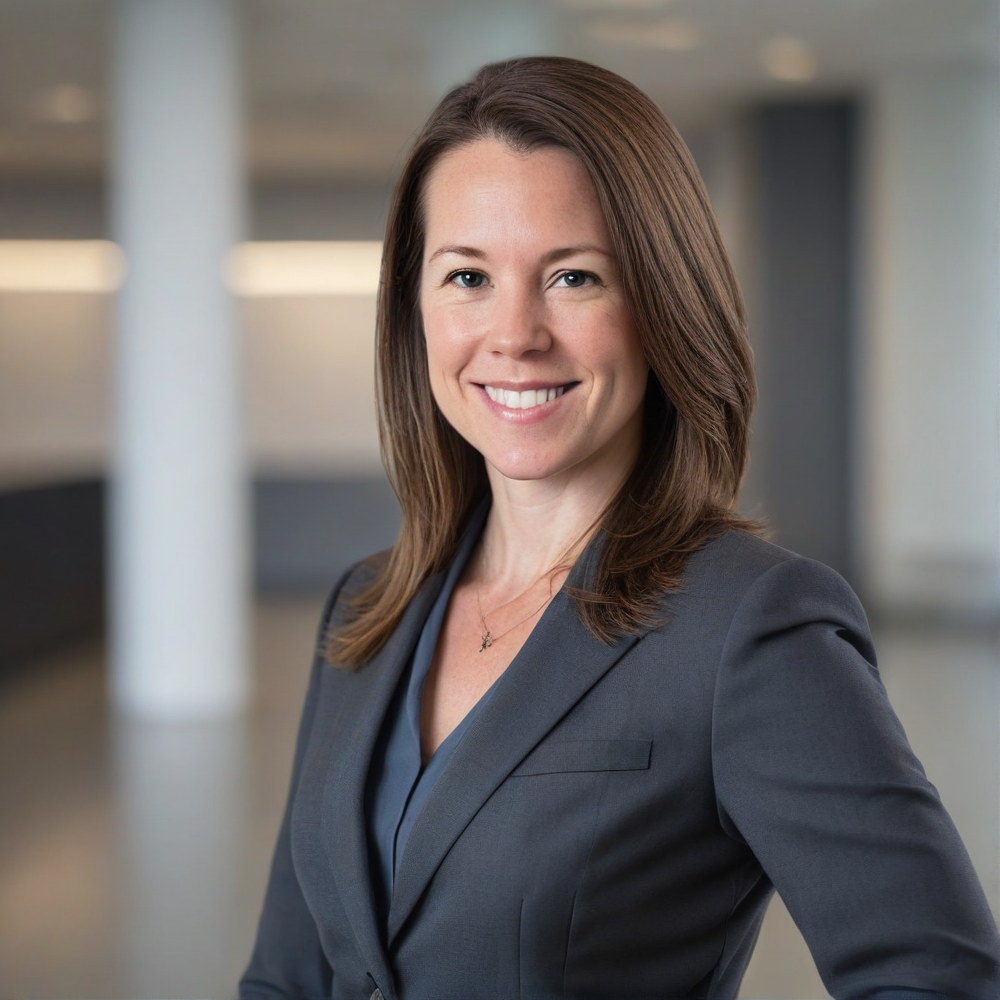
(686, 306)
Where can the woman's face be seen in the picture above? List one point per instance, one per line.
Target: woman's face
(532, 354)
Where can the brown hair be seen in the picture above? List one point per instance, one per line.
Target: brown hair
(687, 309)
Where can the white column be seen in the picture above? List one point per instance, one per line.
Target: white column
(178, 524)
(929, 368)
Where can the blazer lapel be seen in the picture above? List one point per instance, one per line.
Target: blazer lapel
(558, 664)
(344, 820)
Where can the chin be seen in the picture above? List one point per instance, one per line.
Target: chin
(526, 468)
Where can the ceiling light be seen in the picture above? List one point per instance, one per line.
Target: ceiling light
(308, 267)
(790, 60)
(672, 34)
(66, 104)
(60, 266)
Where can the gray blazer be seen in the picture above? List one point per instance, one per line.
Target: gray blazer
(615, 820)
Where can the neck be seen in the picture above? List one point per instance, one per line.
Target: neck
(536, 525)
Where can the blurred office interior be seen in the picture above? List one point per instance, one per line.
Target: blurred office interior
(191, 198)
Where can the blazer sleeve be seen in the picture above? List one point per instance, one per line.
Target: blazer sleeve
(814, 773)
(288, 959)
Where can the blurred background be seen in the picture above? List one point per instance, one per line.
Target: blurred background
(191, 198)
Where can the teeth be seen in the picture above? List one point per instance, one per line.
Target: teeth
(514, 400)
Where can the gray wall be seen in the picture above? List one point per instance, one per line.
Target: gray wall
(51, 567)
(307, 531)
(805, 169)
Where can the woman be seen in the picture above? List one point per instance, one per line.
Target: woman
(571, 731)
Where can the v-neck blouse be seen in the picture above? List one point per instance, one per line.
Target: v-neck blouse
(398, 784)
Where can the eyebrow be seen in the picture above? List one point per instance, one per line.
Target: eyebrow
(550, 258)
(460, 251)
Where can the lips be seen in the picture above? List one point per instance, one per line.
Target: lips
(525, 399)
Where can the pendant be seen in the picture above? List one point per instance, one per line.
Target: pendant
(487, 640)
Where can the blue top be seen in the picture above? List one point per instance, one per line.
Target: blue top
(398, 784)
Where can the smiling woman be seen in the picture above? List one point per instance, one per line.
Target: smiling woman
(569, 734)
(652, 235)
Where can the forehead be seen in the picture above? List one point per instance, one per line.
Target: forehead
(487, 190)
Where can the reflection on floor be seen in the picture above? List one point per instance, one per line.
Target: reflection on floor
(133, 858)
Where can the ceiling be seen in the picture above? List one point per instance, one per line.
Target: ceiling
(336, 88)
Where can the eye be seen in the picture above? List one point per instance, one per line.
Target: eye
(467, 279)
(576, 279)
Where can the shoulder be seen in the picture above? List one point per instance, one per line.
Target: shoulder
(353, 582)
(739, 589)
(745, 572)
(735, 559)
(777, 607)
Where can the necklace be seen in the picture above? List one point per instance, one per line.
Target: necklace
(488, 638)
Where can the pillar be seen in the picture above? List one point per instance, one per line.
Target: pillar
(178, 512)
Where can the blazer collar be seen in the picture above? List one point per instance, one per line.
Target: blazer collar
(345, 823)
(557, 665)
(344, 820)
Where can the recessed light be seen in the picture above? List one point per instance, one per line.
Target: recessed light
(60, 266)
(308, 267)
(790, 60)
(672, 34)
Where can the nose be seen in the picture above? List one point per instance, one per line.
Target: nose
(518, 323)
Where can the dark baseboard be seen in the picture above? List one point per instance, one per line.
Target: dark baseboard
(306, 532)
(51, 567)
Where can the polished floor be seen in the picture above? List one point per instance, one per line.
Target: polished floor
(133, 857)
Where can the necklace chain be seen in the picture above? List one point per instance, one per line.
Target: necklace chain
(488, 638)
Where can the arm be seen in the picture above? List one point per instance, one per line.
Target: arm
(814, 773)
(288, 959)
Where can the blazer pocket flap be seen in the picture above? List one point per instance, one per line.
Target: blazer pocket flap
(587, 755)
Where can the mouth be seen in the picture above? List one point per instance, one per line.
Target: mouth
(526, 399)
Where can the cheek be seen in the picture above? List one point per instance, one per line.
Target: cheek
(447, 353)
(435, 368)
(615, 349)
